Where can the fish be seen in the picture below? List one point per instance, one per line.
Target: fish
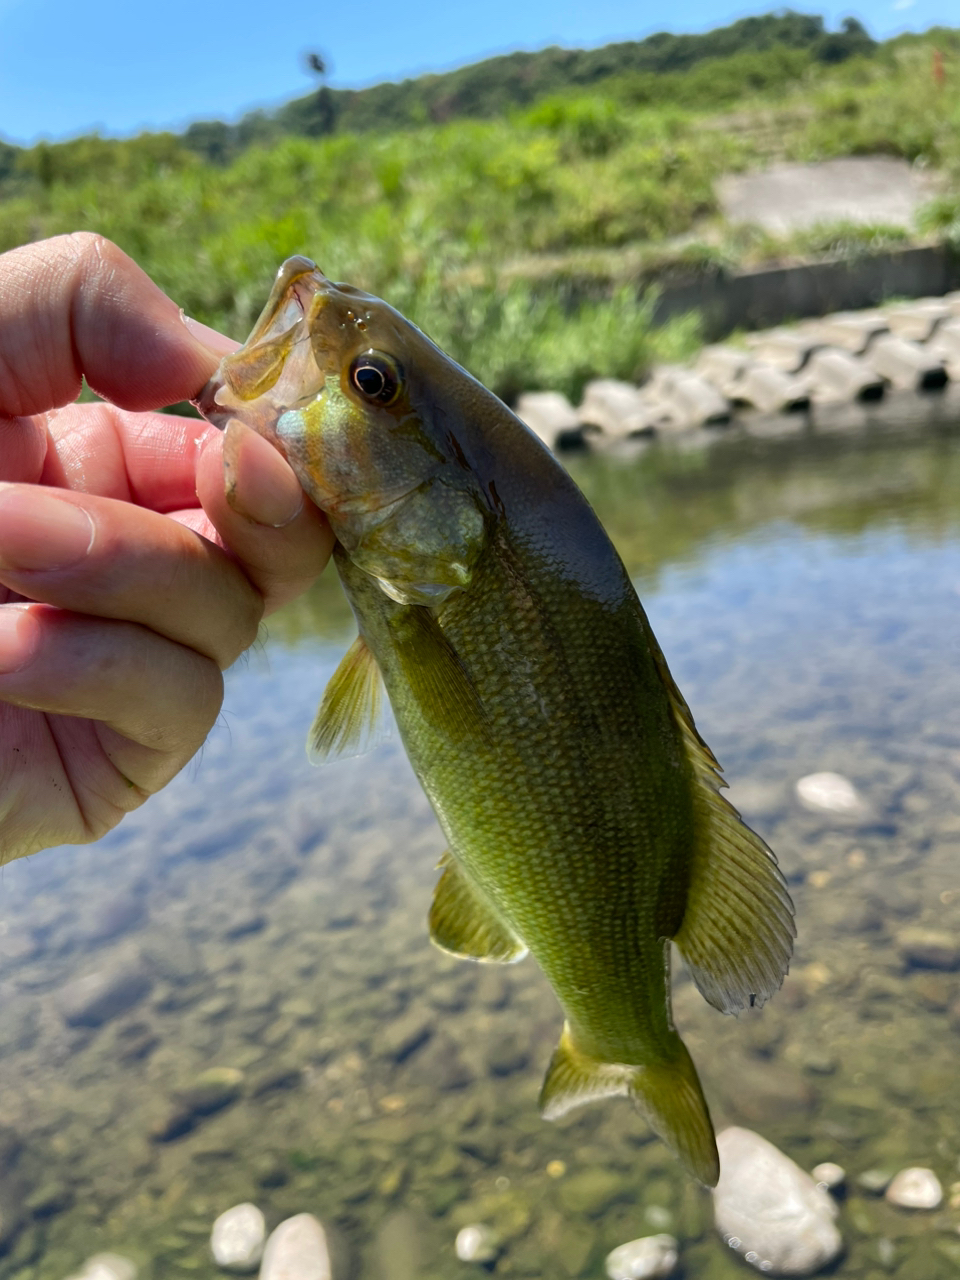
(583, 811)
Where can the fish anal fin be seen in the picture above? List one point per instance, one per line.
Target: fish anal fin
(738, 925)
(348, 722)
(668, 1095)
(437, 676)
(463, 924)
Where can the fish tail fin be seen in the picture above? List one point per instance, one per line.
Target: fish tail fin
(667, 1093)
(671, 1100)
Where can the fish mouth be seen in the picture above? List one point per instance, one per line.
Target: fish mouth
(275, 369)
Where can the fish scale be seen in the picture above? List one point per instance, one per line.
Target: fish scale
(582, 808)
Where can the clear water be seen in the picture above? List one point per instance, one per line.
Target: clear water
(806, 591)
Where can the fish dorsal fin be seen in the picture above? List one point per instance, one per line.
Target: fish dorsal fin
(738, 929)
(440, 684)
(464, 924)
(349, 721)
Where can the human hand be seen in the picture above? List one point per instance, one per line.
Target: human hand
(131, 574)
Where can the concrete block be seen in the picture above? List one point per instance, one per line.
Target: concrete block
(771, 390)
(552, 417)
(722, 366)
(906, 365)
(918, 321)
(852, 331)
(785, 349)
(946, 340)
(696, 402)
(615, 408)
(836, 376)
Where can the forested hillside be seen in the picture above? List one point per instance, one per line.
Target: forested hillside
(473, 200)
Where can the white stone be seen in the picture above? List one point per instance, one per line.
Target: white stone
(829, 1175)
(107, 1266)
(915, 1188)
(296, 1250)
(828, 793)
(236, 1240)
(477, 1243)
(646, 1259)
(769, 1210)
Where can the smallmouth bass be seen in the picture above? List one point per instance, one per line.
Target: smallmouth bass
(582, 808)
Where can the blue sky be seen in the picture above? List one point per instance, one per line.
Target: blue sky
(69, 66)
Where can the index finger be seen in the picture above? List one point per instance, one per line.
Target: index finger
(76, 306)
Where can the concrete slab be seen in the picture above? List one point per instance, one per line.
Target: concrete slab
(866, 190)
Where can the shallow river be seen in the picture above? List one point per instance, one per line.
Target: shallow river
(267, 920)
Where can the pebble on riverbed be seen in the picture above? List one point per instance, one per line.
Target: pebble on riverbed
(296, 1250)
(829, 793)
(769, 1210)
(828, 1175)
(915, 1188)
(106, 1266)
(477, 1243)
(236, 1240)
(649, 1258)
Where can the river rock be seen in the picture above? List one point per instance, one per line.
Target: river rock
(829, 793)
(829, 1175)
(646, 1259)
(236, 1240)
(592, 1191)
(97, 997)
(477, 1243)
(769, 1210)
(296, 1250)
(929, 948)
(915, 1188)
(107, 1266)
(211, 1091)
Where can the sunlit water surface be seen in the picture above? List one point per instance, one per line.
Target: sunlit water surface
(268, 918)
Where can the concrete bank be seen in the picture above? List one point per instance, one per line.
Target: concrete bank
(730, 300)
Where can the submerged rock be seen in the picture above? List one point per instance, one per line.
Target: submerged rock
(646, 1259)
(107, 1266)
(236, 1240)
(92, 1000)
(929, 948)
(915, 1188)
(477, 1243)
(769, 1210)
(874, 1181)
(211, 1091)
(296, 1250)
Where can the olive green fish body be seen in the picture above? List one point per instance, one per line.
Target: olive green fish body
(582, 809)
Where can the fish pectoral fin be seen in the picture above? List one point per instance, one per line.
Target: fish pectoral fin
(349, 721)
(462, 923)
(436, 675)
(667, 1093)
(738, 929)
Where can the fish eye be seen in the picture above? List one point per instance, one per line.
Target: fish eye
(377, 377)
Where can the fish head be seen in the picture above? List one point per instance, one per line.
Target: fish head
(340, 383)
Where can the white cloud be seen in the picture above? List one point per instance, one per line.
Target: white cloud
(902, 4)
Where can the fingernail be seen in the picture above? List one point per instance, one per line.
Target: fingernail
(19, 635)
(259, 483)
(39, 530)
(214, 341)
